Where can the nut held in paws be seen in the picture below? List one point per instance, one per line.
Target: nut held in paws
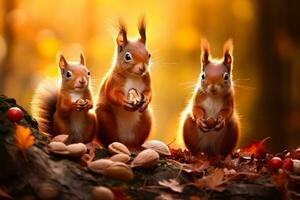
(211, 122)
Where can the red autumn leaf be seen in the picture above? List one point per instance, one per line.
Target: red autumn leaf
(24, 139)
(257, 148)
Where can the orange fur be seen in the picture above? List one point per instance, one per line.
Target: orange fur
(213, 98)
(117, 119)
(57, 108)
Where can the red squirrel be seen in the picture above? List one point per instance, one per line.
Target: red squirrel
(64, 109)
(211, 124)
(122, 110)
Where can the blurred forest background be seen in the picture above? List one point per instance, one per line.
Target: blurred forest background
(266, 36)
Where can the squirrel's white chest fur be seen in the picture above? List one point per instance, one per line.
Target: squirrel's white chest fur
(208, 141)
(212, 106)
(135, 83)
(77, 118)
(127, 120)
(76, 95)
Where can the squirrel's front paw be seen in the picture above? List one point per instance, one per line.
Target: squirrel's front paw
(220, 123)
(87, 105)
(77, 106)
(145, 103)
(202, 125)
(80, 105)
(129, 106)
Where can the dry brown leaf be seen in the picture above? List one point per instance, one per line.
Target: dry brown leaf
(213, 181)
(164, 196)
(24, 138)
(173, 184)
(196, 167)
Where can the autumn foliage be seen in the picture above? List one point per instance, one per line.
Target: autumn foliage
(24, 138)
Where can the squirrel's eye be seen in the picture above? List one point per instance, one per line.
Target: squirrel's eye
(149, 55)
(202, 76)
(128, 57)
(226, 76)
(68, 74)
(89, 73)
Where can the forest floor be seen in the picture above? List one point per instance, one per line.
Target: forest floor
(30, 170)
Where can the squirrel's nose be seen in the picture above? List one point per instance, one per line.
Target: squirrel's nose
(142, 68)
(213, 89)
(82, 81)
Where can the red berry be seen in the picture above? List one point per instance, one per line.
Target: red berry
(287, 164)
(15, 114)
(275, 163)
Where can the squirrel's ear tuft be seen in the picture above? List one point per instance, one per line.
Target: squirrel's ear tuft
(62, 63)
(205, 52)
(82, 60)
(227, 51)
(122, 36)
(142, 30)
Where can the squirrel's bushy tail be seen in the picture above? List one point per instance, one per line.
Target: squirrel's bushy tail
(43, 105)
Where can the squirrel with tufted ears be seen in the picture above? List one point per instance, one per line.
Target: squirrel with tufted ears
(64, 108)
(210, 122)
(122, 110)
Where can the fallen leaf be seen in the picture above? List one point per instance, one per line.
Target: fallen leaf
(213, 181)
(24, 139)
(195, 198)
(120, 193)
(164, 196)
(229, 172)
(257, 148)
(279, 180)
(196, 167)
(172, 184)
(4, 194)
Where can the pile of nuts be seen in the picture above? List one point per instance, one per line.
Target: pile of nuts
(76, 150)
(117, 166)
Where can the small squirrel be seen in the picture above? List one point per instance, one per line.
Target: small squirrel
(122, 110)
(210, 122)
(64, 109)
